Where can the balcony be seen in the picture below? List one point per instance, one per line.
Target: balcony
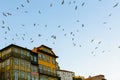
(45, 72)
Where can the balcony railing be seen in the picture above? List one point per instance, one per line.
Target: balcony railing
(45, 72)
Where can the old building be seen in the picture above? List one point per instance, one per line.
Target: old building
(15, 63)
(78, 78)
(65, 75)
(97, 77)
(18, 63)
(47, 63)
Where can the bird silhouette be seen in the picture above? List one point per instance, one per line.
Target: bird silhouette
(83, 4)
(51, 5)
(8, 28)
(28, 1)
(3, 22)
(22, 5)
(75, 7)
(9, 13)
(4, 14)
(62, 2)
(39, 12)
(82, 25)
(115, 5)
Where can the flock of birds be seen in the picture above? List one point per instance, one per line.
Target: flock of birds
(7, 29)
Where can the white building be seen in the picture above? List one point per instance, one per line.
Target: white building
(65, 75)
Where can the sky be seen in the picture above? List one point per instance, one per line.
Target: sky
(83, 33)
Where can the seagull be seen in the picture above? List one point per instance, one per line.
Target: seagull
(2, 26)
(9, 14)
(39, 12)
(99, 42)
(28, 1)
(83, 3)
(82, 25)
(22, 5)
(17, 8)
(75, 7)
(51, 5)
(4, 14)
(62, 2)
(115, 5)
(39, 35)
(8, 28)
(3, 22)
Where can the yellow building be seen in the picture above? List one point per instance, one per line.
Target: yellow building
(47, 63)
(18, 63)
(97, 77)
(78, 78)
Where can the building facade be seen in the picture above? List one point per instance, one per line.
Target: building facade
(78, 78)
(97, 77)
(18, 63)
(65, 75)
(47, 63)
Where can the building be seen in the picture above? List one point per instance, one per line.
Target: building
(65, 75)
(18, 63)
(47, 63)
(15, 63)
(78, 78)
(97, 77)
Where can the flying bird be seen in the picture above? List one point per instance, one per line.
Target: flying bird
(22, 5)
(115, 5)
(3, 22)
(83, 3)
(62, 2)
(9, 13)
(8, 28)
(39, 12)
(82, 25)
(4, 14)
(51, 5)
(75, 7)
(28, 1)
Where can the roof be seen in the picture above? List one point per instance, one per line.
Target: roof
(53, 54)
(66, 71)
(13, 45)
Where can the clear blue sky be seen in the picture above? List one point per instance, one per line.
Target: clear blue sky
(87, 36)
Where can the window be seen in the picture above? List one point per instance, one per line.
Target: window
(48, 70)
(40, 68)
(7, 75)
(32, 77)
(9, 50)
(44, 59)
(22, 62)
(8, 62)
(31, 57)
(22, 74)
(55, 72)
(16, 50)
(36, 77)
(53, 61)
(35, 59)
(15, 74)
(3, 53)
(28, 54)
(48, 58)
(3, 65)
(44, 69)
(15, 61)
(28, 76)
(40, 56)
(28, 64)
(35, 69)
(22, 53)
